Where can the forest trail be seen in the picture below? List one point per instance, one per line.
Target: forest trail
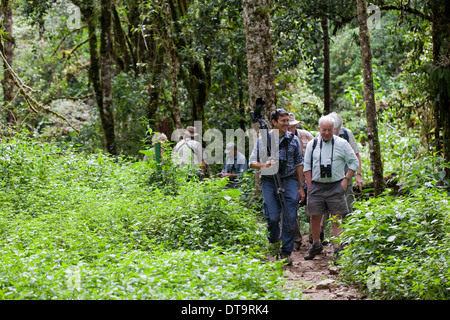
(319, 278)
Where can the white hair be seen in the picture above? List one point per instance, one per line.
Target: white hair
(338, 120)
(327, 118)
(159, 137)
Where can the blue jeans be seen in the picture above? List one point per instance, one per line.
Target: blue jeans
(272, 209)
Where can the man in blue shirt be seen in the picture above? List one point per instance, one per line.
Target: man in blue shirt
(235, 165)
(285, 158)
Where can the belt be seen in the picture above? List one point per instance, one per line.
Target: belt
(326, 182)
(270, 177)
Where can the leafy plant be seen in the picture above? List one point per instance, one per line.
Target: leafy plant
(77, 226)
(396, 247)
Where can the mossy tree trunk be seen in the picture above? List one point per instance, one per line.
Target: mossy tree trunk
(7, 49)
(440, 76)
(369, 97)
(106, 113)
(261, 75)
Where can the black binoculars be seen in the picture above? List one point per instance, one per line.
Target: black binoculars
(325, 171)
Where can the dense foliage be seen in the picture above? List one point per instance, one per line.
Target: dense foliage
(397, 247)
(76, 226)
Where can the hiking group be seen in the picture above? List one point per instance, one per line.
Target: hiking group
(315, 172)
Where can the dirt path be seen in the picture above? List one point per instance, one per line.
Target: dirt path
(318, 278)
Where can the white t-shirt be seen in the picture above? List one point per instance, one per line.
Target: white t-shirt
(188, 151)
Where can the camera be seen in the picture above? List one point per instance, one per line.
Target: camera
(325, 171)
(257, 114)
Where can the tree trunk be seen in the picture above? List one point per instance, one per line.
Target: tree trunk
(6, 46)
(441, 75)
(261, 75)
(174, 67)
(369, 97)
(106, 114)
(199, 83)
(197, 75)
(326, 66)
(119, 35)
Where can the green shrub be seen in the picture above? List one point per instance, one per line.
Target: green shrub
(76, 226)
(397, 247)
(140, 275)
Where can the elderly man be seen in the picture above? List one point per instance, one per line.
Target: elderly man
(286, 149)
(325, 160)
(235, 164)
(158, 137)
(346, 134)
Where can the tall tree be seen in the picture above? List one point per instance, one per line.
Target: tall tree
(196, 73)
(106, 113)
(369, 97)
(7, 49)
(326, 66)
(261, 75)
(440, 77)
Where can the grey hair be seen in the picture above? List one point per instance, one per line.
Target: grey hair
(338, 120)
(159, 137)
(327, 118)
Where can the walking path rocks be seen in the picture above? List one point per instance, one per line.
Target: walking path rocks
(319, 278)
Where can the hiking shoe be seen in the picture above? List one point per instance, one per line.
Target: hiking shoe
(287, 259)
(313, 251)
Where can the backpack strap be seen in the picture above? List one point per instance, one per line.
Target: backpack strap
(345, 134)
(312, 152)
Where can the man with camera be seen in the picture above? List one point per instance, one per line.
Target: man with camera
(286, 160)
(235, 165)
(325, 160)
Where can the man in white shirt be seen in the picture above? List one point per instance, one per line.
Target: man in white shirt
(325, 160)
(189, 151)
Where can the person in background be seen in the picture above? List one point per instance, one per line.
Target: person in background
(325, 160)
(304, 137)
(235, 165)
(190, 151)
(158, 137)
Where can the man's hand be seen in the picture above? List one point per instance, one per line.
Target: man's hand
(269, 164)
(359, 181)
(301, 193)
(344, 184)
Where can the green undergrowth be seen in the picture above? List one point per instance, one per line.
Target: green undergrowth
(78, 226)
(398, 247)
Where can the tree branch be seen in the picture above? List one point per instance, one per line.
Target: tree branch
(34, 105)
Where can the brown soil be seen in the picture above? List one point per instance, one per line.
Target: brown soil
(319, 278)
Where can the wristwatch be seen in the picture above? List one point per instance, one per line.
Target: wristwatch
(348, 179)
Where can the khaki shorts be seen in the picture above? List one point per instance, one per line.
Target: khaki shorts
(326, 198)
